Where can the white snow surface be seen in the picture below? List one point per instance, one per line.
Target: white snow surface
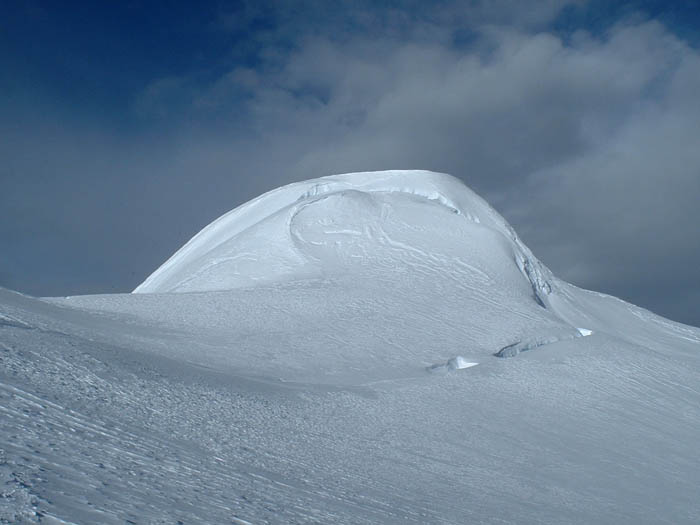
(292, 382)
(459, 362)
(335, 224)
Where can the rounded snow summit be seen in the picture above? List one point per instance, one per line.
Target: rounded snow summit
(381, 224)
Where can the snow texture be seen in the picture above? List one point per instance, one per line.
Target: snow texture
(289, 383)
(323, 226)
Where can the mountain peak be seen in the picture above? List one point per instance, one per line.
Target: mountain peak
(378, 222)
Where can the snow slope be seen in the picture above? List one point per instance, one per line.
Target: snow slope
(363, 348)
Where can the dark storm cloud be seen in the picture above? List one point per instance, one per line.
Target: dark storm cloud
(584, 138)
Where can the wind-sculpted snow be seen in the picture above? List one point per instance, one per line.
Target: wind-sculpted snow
(531, 343)
(455, 363)
(7, 320)
(337, 361)
(223, 407)
(353, 216)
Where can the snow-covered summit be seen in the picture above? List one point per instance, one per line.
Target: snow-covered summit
(350, 341)
(358, 222)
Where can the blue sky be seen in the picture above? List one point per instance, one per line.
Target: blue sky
(124, 129)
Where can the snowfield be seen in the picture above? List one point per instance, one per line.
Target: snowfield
(362, 348)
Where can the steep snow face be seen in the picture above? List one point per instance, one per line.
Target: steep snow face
(376, 222)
